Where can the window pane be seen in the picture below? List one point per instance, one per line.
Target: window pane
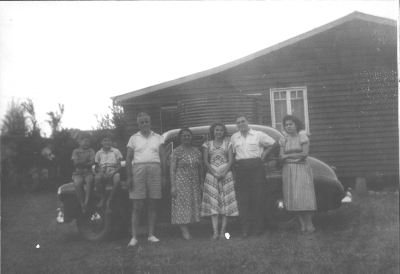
(293, 94)
(276, 95)
(299, 94)
(169, 118)
(298, 109)
(283, 94)
(280, 111)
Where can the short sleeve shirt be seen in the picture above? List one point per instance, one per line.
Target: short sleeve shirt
(250, 146)
(108, 158)
(294, 144)
(80, 154)
(146, 150)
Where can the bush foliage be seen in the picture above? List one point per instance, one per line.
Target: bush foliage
(24, 143)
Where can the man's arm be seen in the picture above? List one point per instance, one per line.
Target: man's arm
(267, 150)
(268, 144)
(129, 158)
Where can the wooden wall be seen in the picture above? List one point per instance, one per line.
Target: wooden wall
(350, 72)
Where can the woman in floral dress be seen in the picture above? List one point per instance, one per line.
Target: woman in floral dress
(186, 175)
(298, 185)
(219, 196)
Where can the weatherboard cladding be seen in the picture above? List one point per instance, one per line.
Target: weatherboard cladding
(351, 77)
(204, 111)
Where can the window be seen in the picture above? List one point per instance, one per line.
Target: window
(289, 101)
(169, 116)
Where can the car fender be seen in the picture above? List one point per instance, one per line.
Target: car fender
(328, 192)
(67, 195)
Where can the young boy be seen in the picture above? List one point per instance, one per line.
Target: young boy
(108, 164)
(83, 158)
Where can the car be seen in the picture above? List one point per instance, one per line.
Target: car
(95, 225)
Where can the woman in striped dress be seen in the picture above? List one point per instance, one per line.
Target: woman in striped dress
(298, 185)
(219, 196)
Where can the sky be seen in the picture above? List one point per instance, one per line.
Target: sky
(82, 53)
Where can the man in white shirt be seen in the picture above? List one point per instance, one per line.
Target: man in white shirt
(251, 147)
(146, 173)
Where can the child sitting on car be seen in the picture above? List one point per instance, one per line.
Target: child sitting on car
(108, 163)
(83, 158)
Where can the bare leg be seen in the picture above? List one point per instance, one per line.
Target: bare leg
(152, 205)
(100, 187)
(79, 182)
(308, 218)
(214, 220)
(185, 232)
(116, 185)
(89, 179)
(223, 226)
(137, 208)
(302, 221)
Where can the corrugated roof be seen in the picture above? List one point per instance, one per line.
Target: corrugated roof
(352, 16)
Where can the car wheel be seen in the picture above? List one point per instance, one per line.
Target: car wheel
(94, 225)
(277, 215)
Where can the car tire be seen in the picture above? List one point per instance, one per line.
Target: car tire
(276, 215)
(94, 224)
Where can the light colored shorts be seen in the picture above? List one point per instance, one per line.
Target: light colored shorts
(146, 181)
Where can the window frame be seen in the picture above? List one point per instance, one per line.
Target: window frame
(288, 105)
(165, 109)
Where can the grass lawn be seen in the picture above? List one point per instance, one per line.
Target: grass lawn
(362, 237)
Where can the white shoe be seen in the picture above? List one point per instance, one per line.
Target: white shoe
(348, 197)
(153, 239)
(60, 220)
(133, 242)
(60, 216)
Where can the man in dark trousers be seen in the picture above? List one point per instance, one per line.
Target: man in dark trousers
(251, 147)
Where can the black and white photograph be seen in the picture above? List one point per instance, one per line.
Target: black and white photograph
(199, 137)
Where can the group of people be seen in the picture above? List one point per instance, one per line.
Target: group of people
(107, 163)
(223, 193)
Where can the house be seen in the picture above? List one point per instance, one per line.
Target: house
(340, 78)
